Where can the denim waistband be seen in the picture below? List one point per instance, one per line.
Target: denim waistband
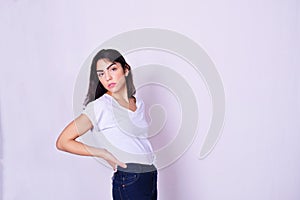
(137, 168)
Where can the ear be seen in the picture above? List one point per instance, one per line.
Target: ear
(126, 72)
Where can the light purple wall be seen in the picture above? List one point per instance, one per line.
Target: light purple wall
(254, 45)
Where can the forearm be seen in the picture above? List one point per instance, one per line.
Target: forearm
(79, 148)
(67, 142)
(75, 147)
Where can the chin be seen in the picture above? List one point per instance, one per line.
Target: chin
(112, 90)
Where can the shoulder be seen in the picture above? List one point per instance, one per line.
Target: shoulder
(139, 101)
(102, 101)
(99, 103)
(138, 97)
(95, 109)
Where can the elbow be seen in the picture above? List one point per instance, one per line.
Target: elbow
(59, 145)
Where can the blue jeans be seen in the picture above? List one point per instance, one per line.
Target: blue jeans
(135, 186)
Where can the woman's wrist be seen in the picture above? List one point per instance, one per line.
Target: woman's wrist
(97, 152)
(102, 153)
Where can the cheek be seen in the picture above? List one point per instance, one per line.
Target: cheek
(103, 82)
(119, 76)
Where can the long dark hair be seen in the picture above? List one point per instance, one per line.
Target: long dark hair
(96, 89)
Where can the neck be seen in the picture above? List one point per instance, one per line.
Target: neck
(120, 95)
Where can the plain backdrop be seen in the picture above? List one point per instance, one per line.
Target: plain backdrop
(254, 45)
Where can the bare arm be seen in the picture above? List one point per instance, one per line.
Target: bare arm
(67, 142)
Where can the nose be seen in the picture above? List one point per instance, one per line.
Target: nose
(107, 75)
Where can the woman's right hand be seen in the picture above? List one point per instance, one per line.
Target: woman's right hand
(112, 160)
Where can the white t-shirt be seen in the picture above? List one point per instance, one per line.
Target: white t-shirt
(125, 132)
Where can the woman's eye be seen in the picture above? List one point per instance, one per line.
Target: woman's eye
(113, 69)
(101, 74)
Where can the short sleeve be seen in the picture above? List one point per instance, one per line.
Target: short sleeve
(89, 111)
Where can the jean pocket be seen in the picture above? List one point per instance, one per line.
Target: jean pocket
(130, 178)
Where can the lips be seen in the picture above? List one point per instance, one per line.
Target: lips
(111, 85)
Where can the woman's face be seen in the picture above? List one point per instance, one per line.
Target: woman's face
(111, 75)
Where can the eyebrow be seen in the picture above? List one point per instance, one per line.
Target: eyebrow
(101, 70)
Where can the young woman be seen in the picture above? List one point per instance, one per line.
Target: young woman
(113, 111)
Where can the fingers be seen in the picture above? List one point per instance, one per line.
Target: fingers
(115, 167)
(121, 164)
(113, 161)
(114, 164)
